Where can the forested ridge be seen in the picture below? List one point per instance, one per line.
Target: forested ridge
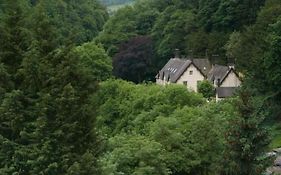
(77, 91)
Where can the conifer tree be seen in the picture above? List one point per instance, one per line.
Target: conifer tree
(247, 138)
(46, 118)
(14, 34)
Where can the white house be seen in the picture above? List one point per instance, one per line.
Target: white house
(190, 72)
(225, 79)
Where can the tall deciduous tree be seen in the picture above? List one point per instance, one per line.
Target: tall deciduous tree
(134, 154)
(95, 59)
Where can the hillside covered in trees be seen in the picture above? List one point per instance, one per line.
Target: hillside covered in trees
(77, 91)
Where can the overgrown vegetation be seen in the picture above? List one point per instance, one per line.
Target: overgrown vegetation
(206, 89)
(63, 112)
(46, 115)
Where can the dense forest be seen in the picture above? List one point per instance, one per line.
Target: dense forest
(77, 91)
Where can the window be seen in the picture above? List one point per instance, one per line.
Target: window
(191, 72)
(184, 83)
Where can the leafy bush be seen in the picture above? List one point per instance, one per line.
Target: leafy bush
(206, 88)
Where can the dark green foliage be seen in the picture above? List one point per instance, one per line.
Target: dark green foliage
(5, 81)
(170, 29)
(233, 15)
(120, 102)
(136, 20)
(48, 122)
(46, 115)
(197, 28)
(192, 137)
(85, 165)
(272, 61)
(14, 37)
(116, 31)
(95, 59)
(255, 51)
(77, 21)
(249, 46)
(134, 154)
(247, 137)
(175, 125)
(207, 89)
(56, 119)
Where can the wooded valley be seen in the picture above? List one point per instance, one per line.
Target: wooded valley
(78, 93)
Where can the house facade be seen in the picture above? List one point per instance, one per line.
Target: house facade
(189, 72)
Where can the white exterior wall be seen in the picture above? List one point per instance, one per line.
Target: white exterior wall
(231, 80)
(159, 81)
(191, 79)
(162, 82)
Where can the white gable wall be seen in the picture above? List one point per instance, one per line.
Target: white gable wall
(162, 82)
(231, 80)
(159, 81)
(191, 79)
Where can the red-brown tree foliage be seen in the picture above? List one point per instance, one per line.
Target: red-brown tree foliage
(133, 62)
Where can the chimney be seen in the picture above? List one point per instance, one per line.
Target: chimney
(231, 65)
(206, 53)
(177, 53)
(215, 58)
(190, 55)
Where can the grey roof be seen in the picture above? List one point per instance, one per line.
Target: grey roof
(277, 162)
(225, 91)
(277, 150)
(204, 65)
(180, 71)
(173, 69)
(176, 67)
(218, 72)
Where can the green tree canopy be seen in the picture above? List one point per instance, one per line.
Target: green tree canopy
(207, 89)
